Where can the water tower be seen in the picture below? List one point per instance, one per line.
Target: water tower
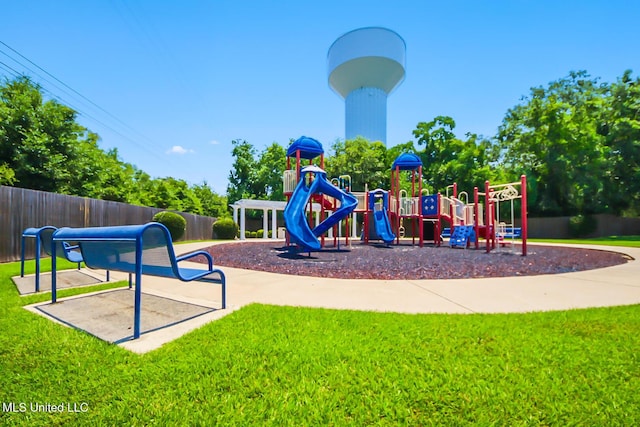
(365, 66)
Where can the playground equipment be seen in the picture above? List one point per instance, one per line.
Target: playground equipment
(405, 206)
(464, 218)
(468, 220)
(419, 208)
(389, 212)
(294, 214)
(472, 221)
(310, 195)
(378, 205)
(451, 209)
(494, 196)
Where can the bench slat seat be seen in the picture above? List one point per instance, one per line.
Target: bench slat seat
(71, 254)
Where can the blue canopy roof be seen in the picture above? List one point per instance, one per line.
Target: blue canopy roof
(309, 148)
(407, 161)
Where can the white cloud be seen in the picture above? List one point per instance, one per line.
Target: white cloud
(214, 142)
(178, 149)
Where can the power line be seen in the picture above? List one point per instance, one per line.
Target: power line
(74, 94)
(9, 69)
(153, 42)
(71, 89)
(16, 73)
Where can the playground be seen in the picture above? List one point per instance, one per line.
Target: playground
(399, 242)
(410, 262)
(404, 232)
(320, 210)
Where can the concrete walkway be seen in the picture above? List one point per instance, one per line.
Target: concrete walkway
(618, 285)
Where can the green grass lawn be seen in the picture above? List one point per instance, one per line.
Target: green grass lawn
(628, 241)
(268, 365)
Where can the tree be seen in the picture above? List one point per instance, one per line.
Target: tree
(42, 147)
(365, 162)
(620, 127)
(7, 175)
(37, 138)
(189, 201)
(552, 137)
(243, 174)
(270, 168)
(175, 194)
(99, 174)
(213, 204)
(117, 179)
(398, 149)
(448, 159)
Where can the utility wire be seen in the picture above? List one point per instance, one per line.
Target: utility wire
(10, 70)
(149, 148)
(153, 42)
(62, 101)
(72, 89)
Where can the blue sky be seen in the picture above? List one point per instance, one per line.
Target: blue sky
(171, 83)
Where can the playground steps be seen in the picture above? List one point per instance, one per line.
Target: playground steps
(462, 236)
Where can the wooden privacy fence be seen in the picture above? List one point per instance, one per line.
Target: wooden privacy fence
(21, 208)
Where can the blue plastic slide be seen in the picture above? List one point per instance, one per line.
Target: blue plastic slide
(295, 212)
(383, 226)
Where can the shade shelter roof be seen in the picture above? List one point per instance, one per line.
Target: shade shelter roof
(407, 161)
(309, 148)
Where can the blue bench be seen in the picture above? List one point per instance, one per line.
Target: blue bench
(511, 233)
(43, 241)
(136, 249)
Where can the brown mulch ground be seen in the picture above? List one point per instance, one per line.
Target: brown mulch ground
(411, 262)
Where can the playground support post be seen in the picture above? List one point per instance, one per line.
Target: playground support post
(419, 219)
(490, 213)
(365, 221)
(395, 190)
(523, 212)
(286, 235)
(476, 213)
(438, 219)
(487, 219)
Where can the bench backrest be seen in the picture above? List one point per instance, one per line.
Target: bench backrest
(62, 248)
(513, 231)
(42, 235)
(114, 248)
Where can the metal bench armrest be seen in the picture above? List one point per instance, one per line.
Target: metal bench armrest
(188, 256)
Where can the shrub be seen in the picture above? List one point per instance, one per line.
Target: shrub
(225, 228)
(582, 225)
(260, 233)
(174, 222)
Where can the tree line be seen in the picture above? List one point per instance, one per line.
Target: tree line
(577, 139)
(42, 147)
